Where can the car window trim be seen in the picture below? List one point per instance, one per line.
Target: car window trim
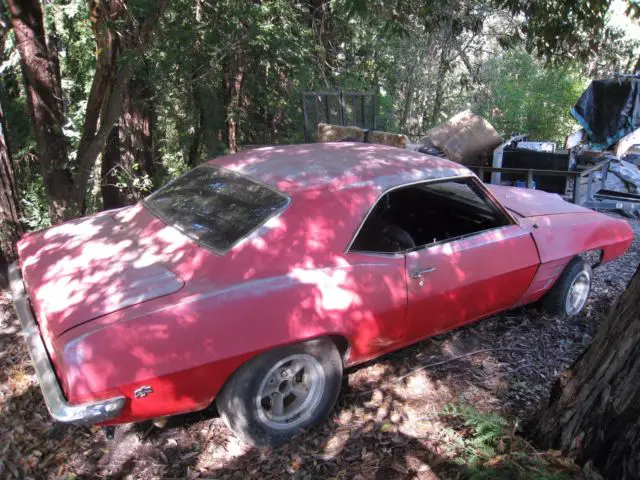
(156, 213)
(452, 240)
(484, 193)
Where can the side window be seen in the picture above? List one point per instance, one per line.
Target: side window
(424, 214)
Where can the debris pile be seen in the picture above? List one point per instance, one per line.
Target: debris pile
(462, 138)
(339, 133)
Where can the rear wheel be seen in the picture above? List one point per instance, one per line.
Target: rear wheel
(273, 396)
(569, 295)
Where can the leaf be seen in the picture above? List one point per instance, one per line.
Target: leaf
(387, 427)
(495, 460)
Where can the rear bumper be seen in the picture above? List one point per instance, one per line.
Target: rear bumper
(86, 413)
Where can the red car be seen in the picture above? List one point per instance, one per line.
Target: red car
(255, 279)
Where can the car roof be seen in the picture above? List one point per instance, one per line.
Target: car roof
(340, 165)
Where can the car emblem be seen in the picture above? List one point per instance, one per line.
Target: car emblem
(143, 391)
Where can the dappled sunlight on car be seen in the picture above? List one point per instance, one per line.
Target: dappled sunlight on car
(126, 300)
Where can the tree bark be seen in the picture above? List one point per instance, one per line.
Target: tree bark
(233, 79)
(10, 227)
(594, 411)
(65, 181)
(130, 149)
(109, 85)
(111, 197)
(194, 150)
(440, 86)
(44, 99)
(320, 23)
(406, 111)
(193, 157)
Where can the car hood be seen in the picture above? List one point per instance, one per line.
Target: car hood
(87, 268)
(533, 203)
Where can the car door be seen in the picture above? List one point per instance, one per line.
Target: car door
(455, 282)
(471, 259)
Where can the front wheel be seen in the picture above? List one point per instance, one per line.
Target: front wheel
(569, 295)
(273, 396)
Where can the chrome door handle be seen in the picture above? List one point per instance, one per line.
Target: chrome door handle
(419, 273)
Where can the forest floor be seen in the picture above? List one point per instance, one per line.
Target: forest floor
(388, 422)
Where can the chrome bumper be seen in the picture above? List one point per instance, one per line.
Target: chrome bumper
(60, 410)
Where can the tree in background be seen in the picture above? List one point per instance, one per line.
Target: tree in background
(521, 95)
(66, 179)
(221, 75)
(128, 160)
(10, 227)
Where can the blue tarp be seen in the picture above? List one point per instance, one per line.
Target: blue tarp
(609, 109)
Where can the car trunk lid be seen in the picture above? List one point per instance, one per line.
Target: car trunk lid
(90, 267)
(532, 203)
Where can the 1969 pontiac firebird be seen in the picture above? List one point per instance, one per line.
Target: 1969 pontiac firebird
(253, 280)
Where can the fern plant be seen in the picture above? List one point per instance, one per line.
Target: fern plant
(488, 433)
(488, 449)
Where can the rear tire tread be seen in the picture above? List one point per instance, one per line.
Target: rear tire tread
(236, 400)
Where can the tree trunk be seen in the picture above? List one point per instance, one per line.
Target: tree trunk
(44, 98)
(594, 411)
(320, 23)
(111, 197)
(194, 150)
(440, 85)
(129, 153)
(10, 228)
(110, 83)
(193, 157)
(137, 121)
(233, 80)
(66, 182)
(406, 111)
(636, 69)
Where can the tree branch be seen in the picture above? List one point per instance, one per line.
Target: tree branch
(110, 106)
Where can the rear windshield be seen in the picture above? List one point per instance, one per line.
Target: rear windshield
(214, 206)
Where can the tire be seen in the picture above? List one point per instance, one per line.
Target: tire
(249, 403)
(576, 280)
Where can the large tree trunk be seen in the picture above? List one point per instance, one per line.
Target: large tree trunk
(129, 154)
(594, 412)
(10, 228)
(66, 182)
(408, 102)
(44, 98)
(110, 83)
(234, 78)
(111, 197)
(193, 157)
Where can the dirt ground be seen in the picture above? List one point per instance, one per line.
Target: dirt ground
(387, 423)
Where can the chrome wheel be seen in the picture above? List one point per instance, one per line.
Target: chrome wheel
(578, 293)
(290, 391)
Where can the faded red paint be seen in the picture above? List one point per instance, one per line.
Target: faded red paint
(289, 281)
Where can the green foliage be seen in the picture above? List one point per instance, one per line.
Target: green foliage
(522, 95)
(486, 432)
(561, 30)
(33, 200)
(70, 31)
(488, 449)
(425, 60)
